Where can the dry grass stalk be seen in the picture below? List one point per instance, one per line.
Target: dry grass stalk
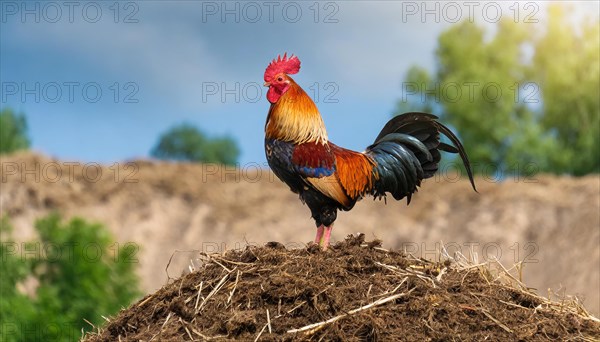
(312, 328)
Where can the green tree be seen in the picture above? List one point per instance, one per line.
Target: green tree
(82, 274)
(186, 142)
(13, 131)
(414, 94)
(515, 113)
(15, 306)
(566, 65)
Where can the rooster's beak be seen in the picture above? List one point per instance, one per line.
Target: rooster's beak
(267, 84)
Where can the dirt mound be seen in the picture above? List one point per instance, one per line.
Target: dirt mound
(354, 291)
(545, 222)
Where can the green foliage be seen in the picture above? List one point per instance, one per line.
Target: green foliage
(567, 67)
(80, 274)
(14, 306)
(515, 113)
(186, 142)
(13, 131)
(416, 79)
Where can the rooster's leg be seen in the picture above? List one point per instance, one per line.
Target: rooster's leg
(325, 240)
(319, 236)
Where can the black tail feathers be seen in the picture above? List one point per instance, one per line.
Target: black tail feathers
(407, 150)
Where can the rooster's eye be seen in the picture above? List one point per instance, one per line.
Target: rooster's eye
(280, 79)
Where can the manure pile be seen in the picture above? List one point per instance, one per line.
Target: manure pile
(356, 291)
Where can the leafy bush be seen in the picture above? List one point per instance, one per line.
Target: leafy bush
(186, 142)
(74, 273)
(13, 131)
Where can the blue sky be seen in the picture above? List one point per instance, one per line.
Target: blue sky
(160, 63)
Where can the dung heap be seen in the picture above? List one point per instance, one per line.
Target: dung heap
(354, 291)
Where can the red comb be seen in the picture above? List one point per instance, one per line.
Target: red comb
(284, 65)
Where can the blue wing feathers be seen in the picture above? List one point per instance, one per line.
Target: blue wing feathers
(315, 172)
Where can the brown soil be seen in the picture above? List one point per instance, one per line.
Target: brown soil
(355, 291)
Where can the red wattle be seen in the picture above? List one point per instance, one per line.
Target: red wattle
(273, 95)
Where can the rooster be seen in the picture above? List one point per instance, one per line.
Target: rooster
(329, 178)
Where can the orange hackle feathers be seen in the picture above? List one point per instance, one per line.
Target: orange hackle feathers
(288, 66)
(295, 118)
